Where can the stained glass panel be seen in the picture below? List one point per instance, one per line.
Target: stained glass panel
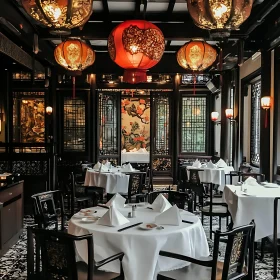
(74, 124)
(108, 144)
(193, 136)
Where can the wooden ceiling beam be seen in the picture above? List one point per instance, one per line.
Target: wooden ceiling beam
(170, 10)
(106, 14)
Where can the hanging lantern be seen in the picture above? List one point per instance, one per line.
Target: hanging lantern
(136, 46)
(214, 116)
(59, 15)
(221, 16)
(74, 55)
(196, 55)
(266, 103)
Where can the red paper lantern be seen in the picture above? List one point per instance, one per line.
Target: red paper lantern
(136, 46)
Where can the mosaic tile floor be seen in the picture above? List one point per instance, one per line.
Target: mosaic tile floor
(13, 263)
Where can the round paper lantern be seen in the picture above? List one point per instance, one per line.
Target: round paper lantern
(219, 15)
(136, 46)
(60, 15)
(196, 56)
(74, 55)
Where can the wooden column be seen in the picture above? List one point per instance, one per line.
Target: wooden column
(225, 123)
(265, 131)
(175, 128)
(93, 119)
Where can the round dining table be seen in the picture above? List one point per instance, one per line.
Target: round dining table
(113, 181)
(141, 247)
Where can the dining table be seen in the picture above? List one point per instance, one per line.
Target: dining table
(247, 203)
(141, 246)
(112, 180)
(213, 175)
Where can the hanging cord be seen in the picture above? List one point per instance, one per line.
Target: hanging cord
(194, 82)
(74, 86)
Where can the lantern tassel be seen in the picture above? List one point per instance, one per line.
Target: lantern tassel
(265, 123)
(74, 86)
(194, 82)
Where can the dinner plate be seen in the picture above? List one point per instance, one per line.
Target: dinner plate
(148, 226)
(89, 220)
(270, 185)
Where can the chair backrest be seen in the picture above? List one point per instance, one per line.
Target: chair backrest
(245, 168)
(175, 198)
(135, 184)
(194, 176)
(46, 206)
(240, 242)
(258, 176)
(55, 255)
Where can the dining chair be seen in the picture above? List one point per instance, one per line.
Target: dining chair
(258, 176)
(239, 252)
(135, 186)
(182, 178)
(82, 199)
(231, 174)
(181, 199)
(53, 256)
(48, 209)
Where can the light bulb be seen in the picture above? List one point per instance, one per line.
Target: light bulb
(133, 48)
(52, 12)
(219, 10)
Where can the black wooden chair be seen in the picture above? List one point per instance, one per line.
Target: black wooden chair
(258, 176)
(55, 257)
(183, 200)
(242, 169)
(239, 248)
(82, 198)
(48, 208)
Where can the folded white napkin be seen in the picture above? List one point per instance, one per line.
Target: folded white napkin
(123, 151)
(143, 151)
(103, 168)
(133, 150)
(97, 165)
(169, 217)
(127, 168)
(161, 204)
(112, 218)
(221, 163)
(107, 164)
(210, 164)
(197, 163)
(117, 200)
(250, 181)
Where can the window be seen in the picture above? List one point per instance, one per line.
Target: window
(255, 122)
(74, 125)
(193, 136)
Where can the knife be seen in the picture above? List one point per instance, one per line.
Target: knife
(134, 225)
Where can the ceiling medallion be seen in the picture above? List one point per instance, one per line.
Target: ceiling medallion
(59, 15)
(136, 46)
(219, 16)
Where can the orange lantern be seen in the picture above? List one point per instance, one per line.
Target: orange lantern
(136, 46)
(59, 15)
(196, 55)
(74, 55)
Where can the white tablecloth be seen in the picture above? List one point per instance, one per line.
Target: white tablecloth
(213, 175)
(112, 182)
(244, 208)
(135, 157)
(141, 247)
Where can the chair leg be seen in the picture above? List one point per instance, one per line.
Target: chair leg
(220, 223)
(202, 218)
(275, 256)
(262, 248)
(211, 226)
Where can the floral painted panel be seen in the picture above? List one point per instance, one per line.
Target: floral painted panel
(135, 114)
(32, 121)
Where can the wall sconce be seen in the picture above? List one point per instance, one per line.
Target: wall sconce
(229, 115)
(49, 110)
(214, 118)
(266, 104)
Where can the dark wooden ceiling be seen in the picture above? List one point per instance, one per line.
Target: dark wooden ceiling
(261, 30)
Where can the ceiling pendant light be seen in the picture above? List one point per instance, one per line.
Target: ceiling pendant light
(75, 56)
(219, 16)
(136, 46)
(59, 15)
